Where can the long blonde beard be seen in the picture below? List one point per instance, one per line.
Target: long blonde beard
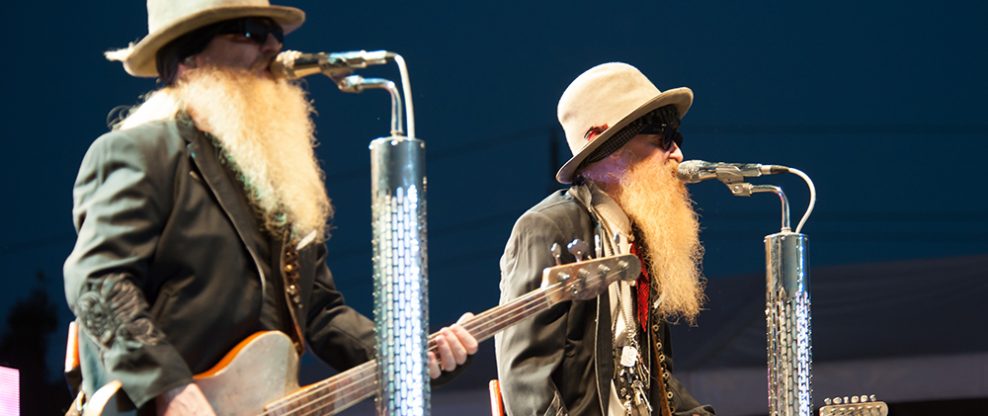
(659, 205)
(266, 133)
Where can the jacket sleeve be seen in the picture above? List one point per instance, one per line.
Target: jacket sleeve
(529, 352)
(338, 334)
(683, 403)
(121, 198)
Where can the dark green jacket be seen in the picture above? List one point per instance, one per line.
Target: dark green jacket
(165, 276)
(560, 362)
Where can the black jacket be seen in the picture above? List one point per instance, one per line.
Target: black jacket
(165, 276)
(560, 362)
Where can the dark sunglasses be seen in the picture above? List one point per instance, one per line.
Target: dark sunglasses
(663, 122)
(668, 133)
(256, 29)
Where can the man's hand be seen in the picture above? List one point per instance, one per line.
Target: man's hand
(185, 400)
(455, 344)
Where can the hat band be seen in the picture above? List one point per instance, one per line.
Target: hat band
(663, 115)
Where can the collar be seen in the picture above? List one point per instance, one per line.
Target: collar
(607, 211)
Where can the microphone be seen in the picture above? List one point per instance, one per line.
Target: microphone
(295, 64)
(693, 171)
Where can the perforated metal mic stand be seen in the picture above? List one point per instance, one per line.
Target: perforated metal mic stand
(787, 312)
(401, 302)
(787, 315)
(398, 212)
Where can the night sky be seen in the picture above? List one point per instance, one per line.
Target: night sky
(881, 103)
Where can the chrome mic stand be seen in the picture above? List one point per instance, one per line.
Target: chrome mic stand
(787, 305)
(398, 212)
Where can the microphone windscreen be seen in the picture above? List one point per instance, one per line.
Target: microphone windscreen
(689, 171)
(283, 64)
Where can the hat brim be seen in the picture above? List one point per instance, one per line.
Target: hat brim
(682, 98)
(141, 60)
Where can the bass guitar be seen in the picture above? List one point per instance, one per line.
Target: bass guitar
(259, 375)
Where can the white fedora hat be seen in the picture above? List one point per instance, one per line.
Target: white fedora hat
(602, 101)
(169, 19)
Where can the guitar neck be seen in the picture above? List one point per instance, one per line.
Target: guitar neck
(484, 325)
(338, 393)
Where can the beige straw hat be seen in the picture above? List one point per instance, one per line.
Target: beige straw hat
(602, 101)
(169, 19)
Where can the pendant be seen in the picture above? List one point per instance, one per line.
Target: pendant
(634, 394)
(629, 356)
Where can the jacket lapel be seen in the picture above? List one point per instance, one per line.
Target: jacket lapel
(605, 352)
(228, 193)
(609, 220)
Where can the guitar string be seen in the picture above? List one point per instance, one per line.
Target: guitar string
(364, 390)
(362, 380)
(359, 389)
(520, 302)
(361, 377)
(363, 383)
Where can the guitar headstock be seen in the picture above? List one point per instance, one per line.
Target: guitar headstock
(588, 278)
(862, 405)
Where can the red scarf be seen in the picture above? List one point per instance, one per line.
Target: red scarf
(642, 287)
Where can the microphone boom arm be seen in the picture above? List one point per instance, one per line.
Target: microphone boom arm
(356, 84)
(746, 189)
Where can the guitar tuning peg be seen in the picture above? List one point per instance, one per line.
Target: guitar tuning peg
(579, 249)
(557, 253)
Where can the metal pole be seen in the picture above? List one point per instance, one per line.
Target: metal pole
(787, 314)
(787, 299)
(401, 301)
(401, 295)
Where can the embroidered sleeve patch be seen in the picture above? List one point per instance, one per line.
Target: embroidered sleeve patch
(112, 309)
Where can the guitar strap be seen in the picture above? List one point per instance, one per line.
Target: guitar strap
(662, 374)
(290, 272)
(650, 315)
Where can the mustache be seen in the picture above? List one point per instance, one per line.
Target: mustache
(264, 61)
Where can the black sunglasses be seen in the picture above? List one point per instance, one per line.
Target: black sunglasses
(668, 134)
(663, 122)
(256, 29)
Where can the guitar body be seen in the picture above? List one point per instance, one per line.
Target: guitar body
(260, 374)
(259, 370)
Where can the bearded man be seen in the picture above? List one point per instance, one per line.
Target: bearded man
(609, 355)
(202, 216)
